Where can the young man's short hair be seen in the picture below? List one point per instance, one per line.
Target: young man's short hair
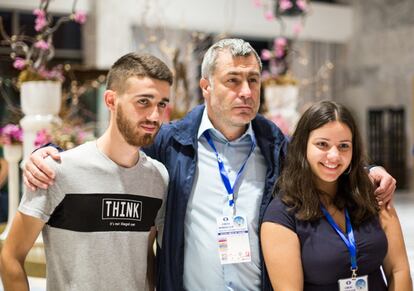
(137, 65)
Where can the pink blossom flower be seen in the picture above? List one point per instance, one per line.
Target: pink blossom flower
(269, 15)
(280, 42)
(302, 5)
(285, 5)
(297, 28)
(42, 137)
(42, 45)
(40, 21)
(19, 63)
(257, 3)
(39, 13)
(279, 47)
(79, 17)
(266, 55)
(11, 134)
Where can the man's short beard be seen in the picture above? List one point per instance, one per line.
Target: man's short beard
(129, 131)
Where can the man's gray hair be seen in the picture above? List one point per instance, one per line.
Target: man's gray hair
(237, 47)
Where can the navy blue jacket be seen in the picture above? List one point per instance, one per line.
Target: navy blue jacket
(176, 147)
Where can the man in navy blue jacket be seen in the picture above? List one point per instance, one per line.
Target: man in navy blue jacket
(223, 160)
(190, 257)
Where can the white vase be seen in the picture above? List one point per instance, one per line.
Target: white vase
(12, 154)
(40, 102)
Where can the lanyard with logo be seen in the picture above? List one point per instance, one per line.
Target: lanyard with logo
(232, 230)
(355, 282)
(223, 173)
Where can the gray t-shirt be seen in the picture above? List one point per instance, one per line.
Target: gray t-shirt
(98, 217)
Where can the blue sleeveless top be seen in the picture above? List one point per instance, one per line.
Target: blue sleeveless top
(325, 257)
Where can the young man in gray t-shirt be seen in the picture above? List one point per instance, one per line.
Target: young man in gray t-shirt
(99, 218)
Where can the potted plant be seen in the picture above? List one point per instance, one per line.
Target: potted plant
(40, 85)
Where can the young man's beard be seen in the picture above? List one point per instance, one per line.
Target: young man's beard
(130, 133)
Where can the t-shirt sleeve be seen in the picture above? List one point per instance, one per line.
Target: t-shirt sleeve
(278, 212)
(41, 203)
(159, 220)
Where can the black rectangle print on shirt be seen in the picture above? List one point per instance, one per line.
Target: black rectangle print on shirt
(105, 212)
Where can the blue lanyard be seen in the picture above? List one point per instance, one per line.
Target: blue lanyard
(349, 241)
(223, 173)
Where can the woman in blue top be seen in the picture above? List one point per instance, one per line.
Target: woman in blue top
(324, 230)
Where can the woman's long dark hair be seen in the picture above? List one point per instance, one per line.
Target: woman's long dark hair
(296, 184)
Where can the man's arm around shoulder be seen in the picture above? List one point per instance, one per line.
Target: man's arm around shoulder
(23, 233)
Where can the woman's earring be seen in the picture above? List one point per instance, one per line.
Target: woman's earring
(348, 170)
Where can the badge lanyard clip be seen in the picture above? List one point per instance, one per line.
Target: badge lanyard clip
(223, 172)
(354, 274)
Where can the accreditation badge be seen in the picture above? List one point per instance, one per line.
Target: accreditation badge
(354, 284)
(233, 239)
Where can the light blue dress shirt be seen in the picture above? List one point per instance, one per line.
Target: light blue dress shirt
(208, 201)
